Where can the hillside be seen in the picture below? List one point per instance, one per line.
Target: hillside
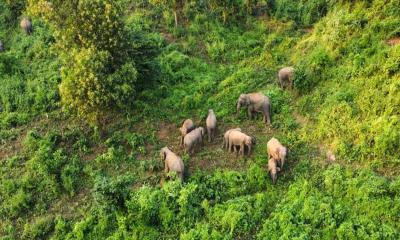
(91, 96)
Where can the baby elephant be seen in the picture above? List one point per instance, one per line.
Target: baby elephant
(1, 46)
(193, 140)
(255, 102)
(187, 127)
(26, 25)
(273, 169)
(277, 151)
(172, 162)
(225, 141)
(211, 123)
(240, 139)
(285, 77)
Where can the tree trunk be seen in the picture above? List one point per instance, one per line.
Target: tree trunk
(176, 18)
(225, 16)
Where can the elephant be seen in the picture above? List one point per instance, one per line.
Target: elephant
(330, 156)
(240, 139)
(172, 162)
(225, 141)
(255, 102)
(187, 127)
(277, 151)
(1, 46)
(26, 25)
(285, 77)
(211, 124)
(193, 140)
(273, 169)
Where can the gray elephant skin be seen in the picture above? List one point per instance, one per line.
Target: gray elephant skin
(211, 124)
(194, 140)
(273, 169)
(225, 141)
(242, 140)
(285, 77)
(255, 102)
(187, 127)
(277, 151)
(172, 162)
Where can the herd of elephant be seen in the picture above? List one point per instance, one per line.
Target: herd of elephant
(234, 140)
(26, 26)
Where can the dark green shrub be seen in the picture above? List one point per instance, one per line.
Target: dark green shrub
(71, 175)
(304, 13)
(311, 70)
(110, 194)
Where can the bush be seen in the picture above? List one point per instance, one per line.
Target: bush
(304, 13)
(39, 229)
(311, 70)
(110, 194)
(339, 208)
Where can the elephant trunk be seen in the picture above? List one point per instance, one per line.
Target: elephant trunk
(273, 176)
(238, 108)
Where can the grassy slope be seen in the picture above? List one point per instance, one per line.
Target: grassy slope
(200, 73)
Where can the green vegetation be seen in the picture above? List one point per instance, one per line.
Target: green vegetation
(89, 98)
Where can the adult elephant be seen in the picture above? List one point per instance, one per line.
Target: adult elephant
(285, 77)
(255, 102)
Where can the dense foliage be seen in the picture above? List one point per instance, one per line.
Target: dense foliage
(97, 53)
(137, 68)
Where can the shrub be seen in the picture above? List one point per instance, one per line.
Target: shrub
(110, 194)
(311, 70)
(39, 229)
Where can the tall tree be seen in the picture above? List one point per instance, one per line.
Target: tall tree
(97, 73)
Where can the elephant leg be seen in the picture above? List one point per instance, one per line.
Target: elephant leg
(166, 170)
(250, 113)
(180, 175)
(192, 150)
(235, 150)
(267, 114)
